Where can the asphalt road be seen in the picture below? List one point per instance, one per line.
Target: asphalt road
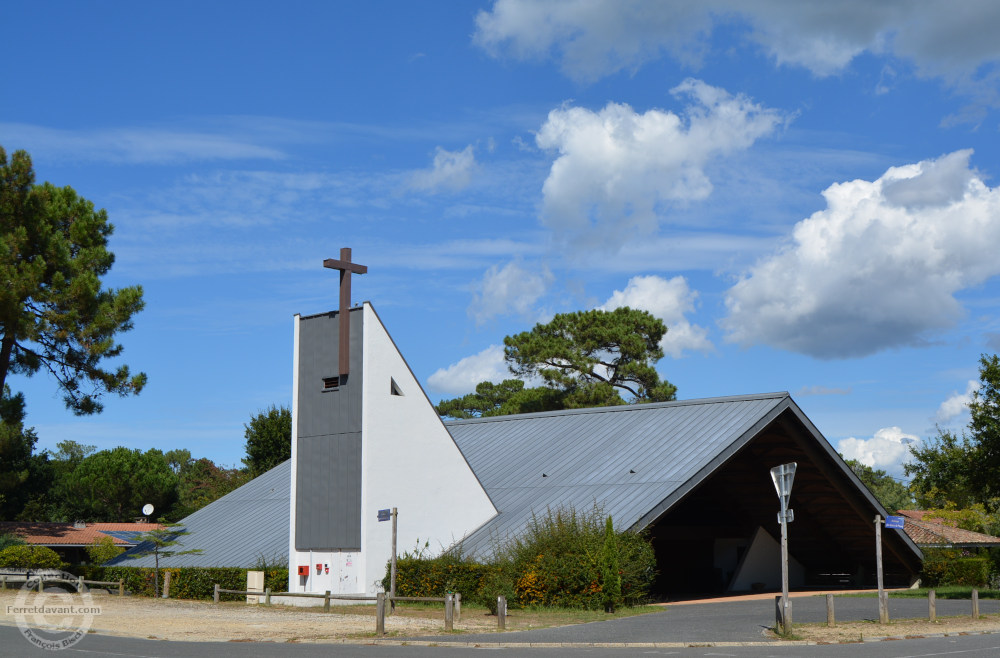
(729, 621)
(95, 646)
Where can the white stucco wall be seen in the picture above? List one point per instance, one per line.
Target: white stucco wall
(295, 582)
(409, 462)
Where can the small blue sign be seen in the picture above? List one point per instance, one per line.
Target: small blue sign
(383, 515)
(894, 522)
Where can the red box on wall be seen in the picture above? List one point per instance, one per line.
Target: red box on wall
(303, 571)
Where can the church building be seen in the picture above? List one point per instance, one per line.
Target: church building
(693, 474)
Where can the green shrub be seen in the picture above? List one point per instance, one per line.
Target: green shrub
(9, 539)
(498, 580)
(416, 576)
(563, 559)
(611, 575)
(558, 563)
(187, 582)
(955, 567)
(969, 571)
(103, 549)
(26, 556)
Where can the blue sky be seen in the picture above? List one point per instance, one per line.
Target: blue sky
(805, 192)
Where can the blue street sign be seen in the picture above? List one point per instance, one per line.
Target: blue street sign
(895, 522)
(383, 515)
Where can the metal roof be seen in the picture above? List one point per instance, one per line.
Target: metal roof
(627, 460)
(634, 462)
(238, 530)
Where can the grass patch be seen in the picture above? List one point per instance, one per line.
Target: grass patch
(789, 635)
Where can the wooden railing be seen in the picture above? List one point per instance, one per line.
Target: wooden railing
(452, 603)
(39, 581)
(931, 607)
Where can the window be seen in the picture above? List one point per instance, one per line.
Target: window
(394, 387)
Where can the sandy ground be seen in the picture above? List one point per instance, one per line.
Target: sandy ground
(237, 622)
(857, 631)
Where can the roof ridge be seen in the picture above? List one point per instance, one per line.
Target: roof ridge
(778, 395)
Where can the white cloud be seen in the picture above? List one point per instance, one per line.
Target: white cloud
(134, 145)
(593, 38)
(668, 300)
(451, 170)
(886, 450)
(462, 377)
(956, 404)
(878, 268)
(616, 168)
(822, 390)
(510, 289)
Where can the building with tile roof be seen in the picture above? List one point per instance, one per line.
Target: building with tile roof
(70, 540)
(930, 532)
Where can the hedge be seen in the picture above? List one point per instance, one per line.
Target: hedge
(954, 567)
(436, 577)
(186, 582)
(26, 556)
(564, 559)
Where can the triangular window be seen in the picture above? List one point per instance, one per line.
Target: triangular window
(394, 387)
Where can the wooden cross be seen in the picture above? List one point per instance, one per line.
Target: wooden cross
(347, 268)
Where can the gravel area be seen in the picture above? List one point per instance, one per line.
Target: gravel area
(236, 622)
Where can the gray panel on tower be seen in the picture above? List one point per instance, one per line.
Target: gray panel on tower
(328, 485)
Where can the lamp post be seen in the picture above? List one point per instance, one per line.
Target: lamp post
(783, 476)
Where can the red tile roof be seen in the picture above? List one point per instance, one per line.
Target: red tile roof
(66, 534)
(125, 527)
(929, 531)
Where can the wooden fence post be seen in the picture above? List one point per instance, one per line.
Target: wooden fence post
(975, 603)
(326, 601)
(215, 596)
(121, 587)
(41, 584)
(458, 606)
(3, 582)
(501, 612)
(449, 612)
(166, 584)
(267, 596)
(380, 614)
(931, 605)
(830, 619)
(79, 584)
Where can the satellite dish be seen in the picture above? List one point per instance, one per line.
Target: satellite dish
(147, 509)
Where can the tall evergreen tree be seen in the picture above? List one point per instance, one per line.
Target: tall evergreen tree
(269, 439)
(584, 359)
(593, 348)
(984, 428)
(54, 314)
